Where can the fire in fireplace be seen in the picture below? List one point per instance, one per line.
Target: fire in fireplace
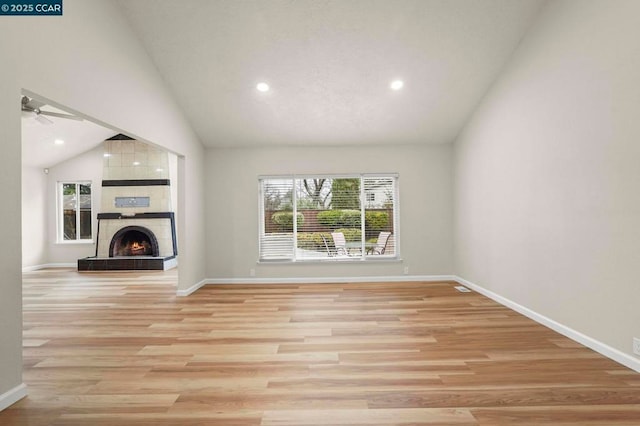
(133, 241)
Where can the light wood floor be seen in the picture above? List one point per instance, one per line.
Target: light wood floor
(122, 349)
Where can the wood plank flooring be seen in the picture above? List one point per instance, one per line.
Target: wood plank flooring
(122, 349)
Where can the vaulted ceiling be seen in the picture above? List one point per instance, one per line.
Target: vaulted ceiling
(329, 64)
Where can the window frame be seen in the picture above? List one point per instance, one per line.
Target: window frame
(356, 259)
(60, 212)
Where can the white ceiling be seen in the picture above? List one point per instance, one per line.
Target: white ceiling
(38, 140)
(329, 64)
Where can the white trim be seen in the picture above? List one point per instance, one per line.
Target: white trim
(332, 260)
(171, 263)
(191, 289)
(598, 346)
(60, 208)
(324, 280)
(12, 396)
(73, 242)
(48, 265)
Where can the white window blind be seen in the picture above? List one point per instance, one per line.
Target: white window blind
(328, 217)
(276, 236)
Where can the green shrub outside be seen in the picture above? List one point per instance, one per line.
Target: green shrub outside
(330, 218)
(351, 234)
(375, 221)
(351, 219)
(285, 220)
(312, 241)
(335, 219)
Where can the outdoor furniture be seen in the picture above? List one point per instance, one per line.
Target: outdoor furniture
(340, 243)
(381, 244)
(357, 246)
(330, 251)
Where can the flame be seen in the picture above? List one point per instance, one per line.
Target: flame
(136, 247)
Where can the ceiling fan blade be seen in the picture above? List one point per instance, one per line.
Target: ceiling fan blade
(43, 120)
(59, 115)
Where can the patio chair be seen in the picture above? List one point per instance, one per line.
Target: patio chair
(340, 243)
(330, 250)
(381, 244)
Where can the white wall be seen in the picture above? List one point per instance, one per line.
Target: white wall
(425, 207)
(34, 223)
(84, 167)
(547, 205)
(96, 68)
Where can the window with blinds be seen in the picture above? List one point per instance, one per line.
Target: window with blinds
(74, 211)
(328, 218)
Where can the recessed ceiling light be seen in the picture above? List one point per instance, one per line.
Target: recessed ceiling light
(262, 87)
(106, 154)
(136, 163)
(159, 170)
(58, 142)
(397, 84)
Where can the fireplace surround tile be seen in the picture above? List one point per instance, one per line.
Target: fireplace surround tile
(149, 177)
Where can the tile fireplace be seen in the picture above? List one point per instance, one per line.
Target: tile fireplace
(136, 223)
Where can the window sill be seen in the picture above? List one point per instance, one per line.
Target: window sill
(75, 242)
(328, 262)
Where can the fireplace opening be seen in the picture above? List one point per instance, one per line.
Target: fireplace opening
(134, 241)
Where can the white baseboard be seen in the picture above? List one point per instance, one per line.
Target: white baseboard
(325, 280)
(596, 345)
(12, 396)
(316, 280)
(171, 263)
(48, 265)
(191, 289)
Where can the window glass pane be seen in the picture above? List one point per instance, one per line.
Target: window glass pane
(313, 198)
(84, 201)
(347, 217)
(379, 212)
(69, 202)
(332, 218)
(75, 211)
(276, 236)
